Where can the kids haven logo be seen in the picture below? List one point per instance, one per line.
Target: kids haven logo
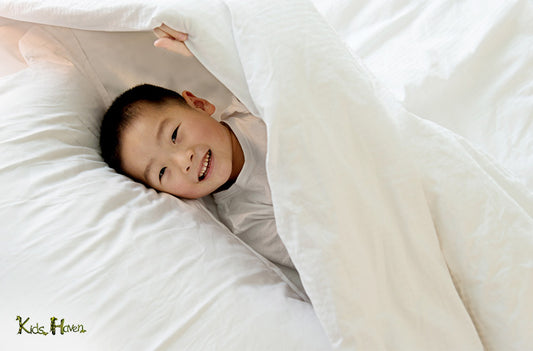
(55, 326)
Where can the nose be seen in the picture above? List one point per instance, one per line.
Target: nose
(184, 159)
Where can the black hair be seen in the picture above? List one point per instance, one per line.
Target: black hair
(122, 112)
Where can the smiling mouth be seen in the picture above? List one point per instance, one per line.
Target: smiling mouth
(205, 166)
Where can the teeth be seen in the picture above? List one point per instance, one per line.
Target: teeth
(206, 163)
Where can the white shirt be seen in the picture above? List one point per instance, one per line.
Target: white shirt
(246, 207)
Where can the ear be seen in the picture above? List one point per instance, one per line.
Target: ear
(198, 103)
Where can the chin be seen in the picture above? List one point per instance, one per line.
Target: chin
(197, 195)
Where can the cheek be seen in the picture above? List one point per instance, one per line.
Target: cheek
(183, 189)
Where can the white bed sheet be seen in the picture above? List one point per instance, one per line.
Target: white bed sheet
(138, 269)
(429, 78)
(466, 65)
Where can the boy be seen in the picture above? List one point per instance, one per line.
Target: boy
(171, 143)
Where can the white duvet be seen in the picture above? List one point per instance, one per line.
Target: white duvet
(406, 236)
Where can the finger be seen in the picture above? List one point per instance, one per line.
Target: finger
(174, 33)
(168, 32)
(173, 45)
(160, 33)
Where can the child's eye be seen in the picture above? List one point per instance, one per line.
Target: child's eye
(175, 134)
(162, 173)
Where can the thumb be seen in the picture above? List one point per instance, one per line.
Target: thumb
(172, 45)
(164, 43)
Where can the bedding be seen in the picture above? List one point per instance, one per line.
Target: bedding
(82, 245)
(465, 65)
(407, 235)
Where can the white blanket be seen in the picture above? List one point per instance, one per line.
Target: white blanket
(405, 236)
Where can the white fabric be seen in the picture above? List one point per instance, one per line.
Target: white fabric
(246, 207)
(138, 269)
(406, 236)
(466, 65)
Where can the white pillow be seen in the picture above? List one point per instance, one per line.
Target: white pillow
(138, 269)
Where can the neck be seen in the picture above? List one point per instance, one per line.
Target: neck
(237, 159)
(237, 156)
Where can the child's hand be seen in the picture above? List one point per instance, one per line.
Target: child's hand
(171, 39)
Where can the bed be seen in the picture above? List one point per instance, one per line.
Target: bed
(400, 160)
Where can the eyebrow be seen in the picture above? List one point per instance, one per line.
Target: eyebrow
(160, 130)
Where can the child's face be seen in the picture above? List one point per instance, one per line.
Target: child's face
(178, 150)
